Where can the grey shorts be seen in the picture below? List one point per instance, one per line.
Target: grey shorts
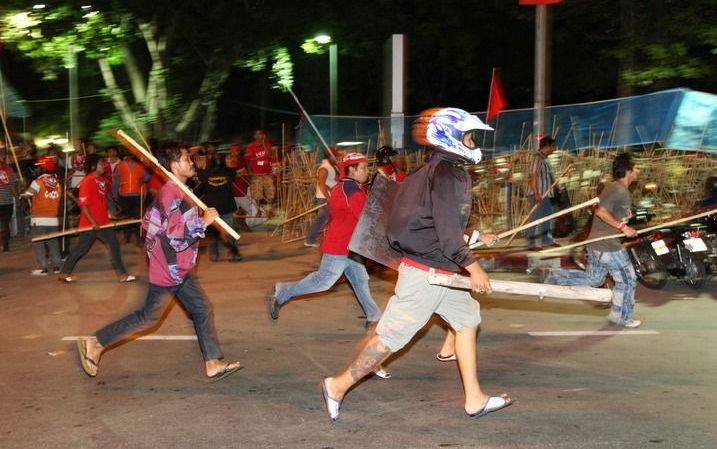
(413, 303)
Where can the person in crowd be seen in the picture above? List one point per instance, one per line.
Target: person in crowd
(46, 194)
(259, 161)
(216, 188)
(541, 193)
(92, 201)
(327, 176)
(8, 196)
(345, 204)
(131, 177)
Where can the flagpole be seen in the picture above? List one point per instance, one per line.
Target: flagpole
(487, 109)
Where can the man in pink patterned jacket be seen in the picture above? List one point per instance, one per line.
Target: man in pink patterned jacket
(173, 227)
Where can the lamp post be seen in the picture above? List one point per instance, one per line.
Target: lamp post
(314, 45)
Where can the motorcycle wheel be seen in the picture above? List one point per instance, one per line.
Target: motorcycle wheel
(650, 270)
(695, 272)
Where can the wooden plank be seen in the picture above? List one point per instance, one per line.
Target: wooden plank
(603, 295)
(74, 231)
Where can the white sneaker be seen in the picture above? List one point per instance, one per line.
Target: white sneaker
(311, 245)
(632, 324)
(39, 272)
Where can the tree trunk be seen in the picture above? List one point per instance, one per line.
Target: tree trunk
(118, 99)
(136, 79)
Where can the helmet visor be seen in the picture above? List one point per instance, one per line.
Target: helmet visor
(470, 139)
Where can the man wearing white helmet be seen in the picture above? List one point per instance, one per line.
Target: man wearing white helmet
(426, 225)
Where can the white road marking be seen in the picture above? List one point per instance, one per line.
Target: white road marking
(590, 333)
(146, 337)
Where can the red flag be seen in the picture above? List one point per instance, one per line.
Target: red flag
(496, 98)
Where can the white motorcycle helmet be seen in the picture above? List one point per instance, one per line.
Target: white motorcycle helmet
(447, 129)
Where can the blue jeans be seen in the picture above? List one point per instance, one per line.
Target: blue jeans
(542, 234)
(46, 251)
(195, 303)
(317, 226)
(330, 270)
(600, 263)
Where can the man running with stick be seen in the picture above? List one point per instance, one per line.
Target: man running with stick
(173, 229)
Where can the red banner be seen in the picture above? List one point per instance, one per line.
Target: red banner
(496, 99)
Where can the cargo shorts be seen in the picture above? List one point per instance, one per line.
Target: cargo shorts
(413, 303)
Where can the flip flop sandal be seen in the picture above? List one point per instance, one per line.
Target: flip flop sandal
(129, 278)
(332, 405)
(228, 370)
(382, 373)
(66, 279)
(445, 358)
(89, 366)
(493, 404)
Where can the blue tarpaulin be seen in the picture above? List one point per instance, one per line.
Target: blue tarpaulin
(677, 118)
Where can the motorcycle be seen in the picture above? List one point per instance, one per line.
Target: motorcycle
(680, 252)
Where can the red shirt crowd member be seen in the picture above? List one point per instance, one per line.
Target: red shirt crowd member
(93, 214)
(345, 205)
(259, 160)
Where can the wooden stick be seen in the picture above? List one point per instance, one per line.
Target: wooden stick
(75, 231)
(144, 154)
(302, 214)
(641, 231)
(587, 203)
(603, 295)
(542, 198)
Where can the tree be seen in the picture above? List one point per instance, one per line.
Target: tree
(147, 56)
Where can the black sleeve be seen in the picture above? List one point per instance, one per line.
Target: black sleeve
(447, 197)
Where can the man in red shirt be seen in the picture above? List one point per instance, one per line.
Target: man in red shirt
(345, 205)
(259, 161)
(93, 214)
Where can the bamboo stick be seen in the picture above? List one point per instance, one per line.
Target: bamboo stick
(603, 295)
(302, 214)
(75, 231)
(142, 153)
(641, 231)
(595, 200)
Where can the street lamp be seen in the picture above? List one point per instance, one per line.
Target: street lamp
(316, 45)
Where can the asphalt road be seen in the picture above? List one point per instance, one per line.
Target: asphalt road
(652, 389)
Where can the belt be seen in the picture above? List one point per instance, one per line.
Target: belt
(422, 267)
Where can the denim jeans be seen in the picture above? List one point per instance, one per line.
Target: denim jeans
(542, 234)
(317, 226)
(46, 251)
(190, 295)
(330, 270)
(84, 243)
(600, 263)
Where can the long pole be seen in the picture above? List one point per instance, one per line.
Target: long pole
(541, 63)
(144, 154)
(641, 231)
(587, 203)
(313, 126)
(74, 231)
